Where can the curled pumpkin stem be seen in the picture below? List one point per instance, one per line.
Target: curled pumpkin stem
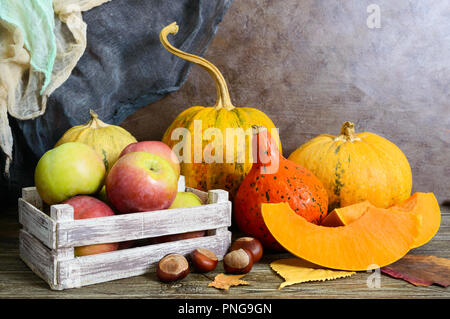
(223, 96)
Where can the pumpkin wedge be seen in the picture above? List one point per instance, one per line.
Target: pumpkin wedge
(376, 239)
(424, 205)
(427, 207)
(345, 215)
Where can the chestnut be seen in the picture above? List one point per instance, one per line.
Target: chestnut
(251, 244)
(239, 261)
(204, 260)
(172, 267)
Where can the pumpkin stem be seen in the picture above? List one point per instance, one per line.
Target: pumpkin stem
(93, 114)
(95, 122)
(348, 132)
(223, 96)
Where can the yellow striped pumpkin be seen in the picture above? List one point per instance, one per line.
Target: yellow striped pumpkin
(207, 172)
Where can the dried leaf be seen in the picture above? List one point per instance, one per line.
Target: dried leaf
(421, 270)
(222, 281)
(295, 270)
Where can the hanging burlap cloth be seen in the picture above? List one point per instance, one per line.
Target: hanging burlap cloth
(24, 87)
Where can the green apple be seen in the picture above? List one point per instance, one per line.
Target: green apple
(186, 199)
(67, 170)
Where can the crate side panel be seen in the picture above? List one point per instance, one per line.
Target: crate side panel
(130, 262)
(37, 223)
(142, 225)
(37, 257)
(31, 195)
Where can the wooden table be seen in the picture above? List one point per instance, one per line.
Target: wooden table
(17, 280)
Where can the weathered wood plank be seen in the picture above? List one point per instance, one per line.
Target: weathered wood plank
(62, 213)
(181, 184)
(217, 196)
(37, 223)
(31, 195)
(142, 225)
(88, 270)
(38, 257)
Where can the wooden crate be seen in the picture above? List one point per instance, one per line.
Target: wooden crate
(47, 241)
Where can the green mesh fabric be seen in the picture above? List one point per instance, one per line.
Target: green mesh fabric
(35, 19)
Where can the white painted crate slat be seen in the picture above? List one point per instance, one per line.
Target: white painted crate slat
(47, 242)
(73, 233)
(42, 226)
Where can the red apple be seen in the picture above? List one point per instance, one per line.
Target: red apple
(141, 181)
(90, 207)
(157, 148)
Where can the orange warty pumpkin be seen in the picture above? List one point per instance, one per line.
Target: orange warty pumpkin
(274, 179)
(356, 167)
(376, 239)
(235, 159)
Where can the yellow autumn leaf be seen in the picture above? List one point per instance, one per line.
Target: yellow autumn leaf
(295, 270)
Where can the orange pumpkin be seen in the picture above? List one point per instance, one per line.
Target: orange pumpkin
(356, 167)
(376, 239)
(274, 179)
(426, 206)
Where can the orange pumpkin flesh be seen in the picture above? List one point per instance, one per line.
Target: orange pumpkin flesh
(345, 215)
(423, 205)
(427, 207)
(376, 239)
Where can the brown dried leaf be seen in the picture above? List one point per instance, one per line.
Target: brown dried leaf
(222, 281)
(295, 270)
(421, 270)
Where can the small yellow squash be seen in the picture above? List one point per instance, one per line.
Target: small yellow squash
(107, 140)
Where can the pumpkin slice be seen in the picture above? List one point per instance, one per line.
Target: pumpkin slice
(427, 207)
(345, 215)
(376, 239)
(423, 205)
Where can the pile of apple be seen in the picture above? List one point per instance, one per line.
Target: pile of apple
(144, 178)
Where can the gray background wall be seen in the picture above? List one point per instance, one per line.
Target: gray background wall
(311, 65)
